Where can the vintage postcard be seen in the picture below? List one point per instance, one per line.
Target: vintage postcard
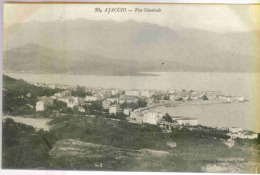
(131, 87)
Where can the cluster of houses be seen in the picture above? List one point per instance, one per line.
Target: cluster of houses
(196, 95)
(64, 96)
(51, 86)
(43, 103)
(111, 99)
(236, 132)
(153, 117)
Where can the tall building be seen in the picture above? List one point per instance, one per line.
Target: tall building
(152, 117)
(113, 109)
(40, 106)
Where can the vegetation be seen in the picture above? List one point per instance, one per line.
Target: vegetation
(179, 99)
(80, 92)
(21, 87)
(166, 97)
(24, 147)
(141, 103)
(204, 97)
(200, 133)
(124, 146)
(167, 118)
(157, 97)
(117, 133)
(20, 97)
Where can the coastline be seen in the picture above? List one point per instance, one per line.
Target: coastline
(37, 123)
(189, 103)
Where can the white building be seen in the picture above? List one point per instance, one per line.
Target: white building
(152, 117)
(240, 99)
(43, 103)
(28, 94)
(235, 129)
(187, 121)
(70, 105)
(132, 93)
(40, 106)
(63, 94)
(54, 97)
(145, 94)
(91, 98)
(65, 100)
(114, 91)
(211, 96)
(73, 102)
(243, 134)
(52, 86)
(127, 111)
(81, 109)
(250, 136)
(113, 109)
(172, 97)
(121, 101)
(222, 97)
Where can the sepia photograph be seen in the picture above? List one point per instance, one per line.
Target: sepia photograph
(131, 87)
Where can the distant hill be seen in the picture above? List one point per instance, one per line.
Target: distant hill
(20, 87)
(77, 43)
(37, 59)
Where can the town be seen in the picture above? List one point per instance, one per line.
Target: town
(136, 106)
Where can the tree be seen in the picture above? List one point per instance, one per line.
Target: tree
(23, 146)
(167, 118)
(80, 92)
(141, 103)
(204, 97)
(166, 97)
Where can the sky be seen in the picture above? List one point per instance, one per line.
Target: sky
(216, 18)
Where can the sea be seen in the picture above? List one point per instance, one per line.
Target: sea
(243, 115)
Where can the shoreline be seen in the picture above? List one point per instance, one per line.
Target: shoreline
(137, 74)
(37, 123)
(191, 103)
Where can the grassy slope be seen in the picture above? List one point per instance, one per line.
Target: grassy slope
(125, 147)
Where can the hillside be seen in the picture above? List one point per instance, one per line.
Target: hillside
(38, 59)
(86, 143)
(15, 99)
(131, 41)
(21, 87)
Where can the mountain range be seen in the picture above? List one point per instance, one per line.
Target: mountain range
(123, 48)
